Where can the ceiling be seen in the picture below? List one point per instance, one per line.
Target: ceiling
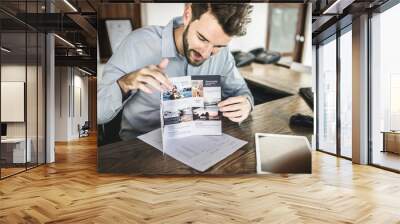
(332, 15)
(73, 20)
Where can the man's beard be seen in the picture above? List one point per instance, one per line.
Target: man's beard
(186, 49)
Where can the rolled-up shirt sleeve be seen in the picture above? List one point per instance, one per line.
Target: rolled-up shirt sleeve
(109, 95)
(233, 83)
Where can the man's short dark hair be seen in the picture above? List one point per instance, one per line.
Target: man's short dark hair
(233, 18)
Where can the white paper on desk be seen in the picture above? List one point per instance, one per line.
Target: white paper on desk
(198, 152)
(153, 138)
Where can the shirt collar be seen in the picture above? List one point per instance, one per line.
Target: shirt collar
(168, 49)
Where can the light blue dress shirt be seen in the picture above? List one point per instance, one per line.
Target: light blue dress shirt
(146, 46)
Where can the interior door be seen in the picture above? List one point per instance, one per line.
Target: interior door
(285, 29)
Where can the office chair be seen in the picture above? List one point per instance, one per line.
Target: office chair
(84, 130)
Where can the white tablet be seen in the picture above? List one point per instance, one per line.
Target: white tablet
(277, 153)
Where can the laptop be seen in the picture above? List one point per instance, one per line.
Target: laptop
(282, 154)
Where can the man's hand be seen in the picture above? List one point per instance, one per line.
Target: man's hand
(148, 79)
(235, 108)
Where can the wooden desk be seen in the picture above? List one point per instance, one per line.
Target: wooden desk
(137, 157)
(276, 77)
(13, 151)
(391, 141)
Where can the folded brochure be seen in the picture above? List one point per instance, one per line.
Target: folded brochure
(190, 108)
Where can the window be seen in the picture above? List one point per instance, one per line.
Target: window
(346, 93)
(327, 96)
(385, 89)
(22, 76)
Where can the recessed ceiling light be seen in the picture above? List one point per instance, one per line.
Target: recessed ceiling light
(5, 50)
(64, 40)
(337, 7)
(84, 71)
(70, 5)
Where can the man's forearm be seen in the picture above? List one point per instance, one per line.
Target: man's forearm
(109, 102)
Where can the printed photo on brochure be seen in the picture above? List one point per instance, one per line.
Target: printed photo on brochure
(190, 108)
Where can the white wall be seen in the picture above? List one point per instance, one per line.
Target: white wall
(68, 80)
(17, 73)
(160, 13)
(61, 103)
(33, 126)
(14, 73)
(80, 82)
(256, 31)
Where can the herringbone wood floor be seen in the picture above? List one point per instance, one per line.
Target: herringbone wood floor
(71, 191)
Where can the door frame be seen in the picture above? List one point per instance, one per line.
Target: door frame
(301, 19)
